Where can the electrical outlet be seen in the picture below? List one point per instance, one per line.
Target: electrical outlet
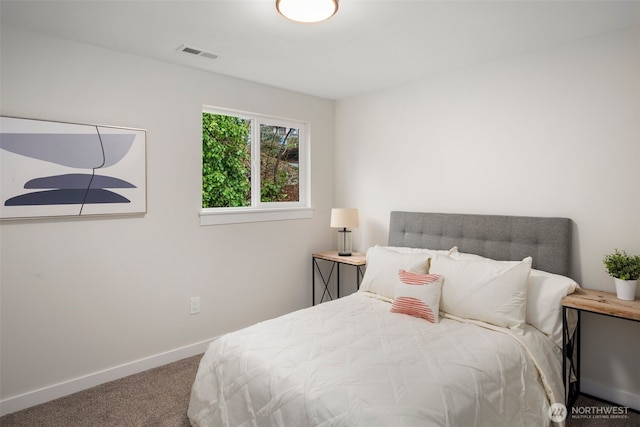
(194, 305)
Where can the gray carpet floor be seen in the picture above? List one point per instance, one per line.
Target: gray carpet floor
(155, 398)
(159, 398)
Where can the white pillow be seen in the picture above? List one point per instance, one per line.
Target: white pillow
(544, 307)
(430, 252)
(544, 295)
(486, 290)
(383, 263)
(418, 295)
(406, 250)
(456, 254)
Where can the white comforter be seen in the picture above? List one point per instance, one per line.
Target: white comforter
(351, 362)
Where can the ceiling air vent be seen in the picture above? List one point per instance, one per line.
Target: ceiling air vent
(197, 52)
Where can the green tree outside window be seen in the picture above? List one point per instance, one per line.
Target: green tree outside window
(226, 161)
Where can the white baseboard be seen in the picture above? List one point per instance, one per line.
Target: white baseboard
(613, 395)
(45, 394)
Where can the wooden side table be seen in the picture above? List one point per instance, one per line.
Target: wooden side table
(356, 259)
(591, 301)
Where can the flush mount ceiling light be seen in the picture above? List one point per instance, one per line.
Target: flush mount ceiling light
(307, 10)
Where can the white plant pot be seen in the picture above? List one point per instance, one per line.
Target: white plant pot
(626, 289)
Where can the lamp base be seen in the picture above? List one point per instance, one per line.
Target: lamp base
(344, 242)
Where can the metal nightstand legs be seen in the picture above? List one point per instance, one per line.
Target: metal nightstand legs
(570, 359)
(315, 267)
(325, 281)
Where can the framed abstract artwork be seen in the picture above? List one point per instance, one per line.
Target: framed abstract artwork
(50, 169)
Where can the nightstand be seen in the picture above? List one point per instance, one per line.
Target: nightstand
(358, 260)
(591, 301)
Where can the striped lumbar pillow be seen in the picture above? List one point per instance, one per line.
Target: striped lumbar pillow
(418, 295)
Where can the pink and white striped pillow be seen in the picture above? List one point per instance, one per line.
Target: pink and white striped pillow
(418, 295)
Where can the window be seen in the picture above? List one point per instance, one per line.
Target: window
(254, 168)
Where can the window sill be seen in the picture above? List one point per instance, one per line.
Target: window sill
(241, 215)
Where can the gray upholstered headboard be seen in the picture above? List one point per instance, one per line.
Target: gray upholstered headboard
(511, 238)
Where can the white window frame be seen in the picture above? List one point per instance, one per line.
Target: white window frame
(265, 211)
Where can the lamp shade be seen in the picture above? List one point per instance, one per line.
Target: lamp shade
(344, 218)
(307, 10)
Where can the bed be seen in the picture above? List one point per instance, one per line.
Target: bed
(457, 323)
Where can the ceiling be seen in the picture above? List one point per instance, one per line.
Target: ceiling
(368, 45)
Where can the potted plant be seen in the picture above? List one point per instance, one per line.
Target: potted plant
(625, 270)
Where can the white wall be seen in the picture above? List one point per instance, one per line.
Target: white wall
(80, 296)
(549, 133)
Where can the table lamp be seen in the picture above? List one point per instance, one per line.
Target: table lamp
(344, 218)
